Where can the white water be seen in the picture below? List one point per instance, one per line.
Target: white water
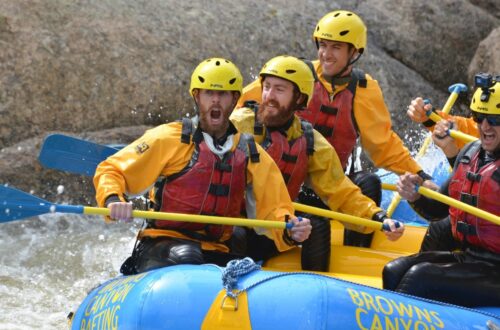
(48, 264)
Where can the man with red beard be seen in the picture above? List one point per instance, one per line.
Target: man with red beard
(348, 105)
(198, 166)
(469, 276)
(303, 154)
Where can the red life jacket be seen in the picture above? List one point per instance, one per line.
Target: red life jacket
(207, 185)
(479, 188)
(291, 156)
(334, 119)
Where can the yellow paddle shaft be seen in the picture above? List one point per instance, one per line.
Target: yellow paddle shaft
(192, 218)
(449, 103)
(451, 202)
(459, 205)
(338, 216)
(462, 136)
(388, 186)
(453, 133)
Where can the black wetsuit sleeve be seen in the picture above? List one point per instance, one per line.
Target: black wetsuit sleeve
(431, 209)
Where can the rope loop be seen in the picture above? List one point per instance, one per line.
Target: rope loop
(235, 269)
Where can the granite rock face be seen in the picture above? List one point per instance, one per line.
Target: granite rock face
(89, 66)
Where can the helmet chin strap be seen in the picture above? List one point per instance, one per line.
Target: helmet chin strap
(338, 79)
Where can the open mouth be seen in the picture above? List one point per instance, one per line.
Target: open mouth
(215, 114)
(488, 137)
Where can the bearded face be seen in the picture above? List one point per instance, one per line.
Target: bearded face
(279, 101)
(215, 107)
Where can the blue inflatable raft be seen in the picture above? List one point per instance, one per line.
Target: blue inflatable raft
(192, 297)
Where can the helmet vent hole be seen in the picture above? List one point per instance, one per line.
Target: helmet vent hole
(349, 14)
(317, 28)
(343, 33)
(290, 71)
(217, 63)
(201, 79)
(336, 15)
(232, 81)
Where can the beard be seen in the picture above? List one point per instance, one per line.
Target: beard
(276, 116)
(215, 128)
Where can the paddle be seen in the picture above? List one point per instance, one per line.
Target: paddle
(343, 217)
(455, 90)
(16, 204)
(451, 202)
(451, 132)
(70, 149)
(70, 154)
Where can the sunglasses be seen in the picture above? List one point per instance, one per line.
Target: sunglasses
(493, 120)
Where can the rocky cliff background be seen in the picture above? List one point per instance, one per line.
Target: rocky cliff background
(106, 70)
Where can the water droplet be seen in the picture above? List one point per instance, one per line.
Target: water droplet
(60, 189)
(52, 209)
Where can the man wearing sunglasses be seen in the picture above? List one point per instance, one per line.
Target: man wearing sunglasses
(469, 276)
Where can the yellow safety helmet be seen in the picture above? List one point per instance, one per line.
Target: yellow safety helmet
(216, 74)
(343, 26)
(487, 100)
(292, 69)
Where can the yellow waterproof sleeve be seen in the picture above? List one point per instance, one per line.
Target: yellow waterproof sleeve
(134, 169)
(326, 177)
(251, 92)
(325, 174)
(271, 195)
(381, 143)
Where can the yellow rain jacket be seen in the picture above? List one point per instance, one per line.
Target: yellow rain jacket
(159, 152)
(379, 141)
(325, 175)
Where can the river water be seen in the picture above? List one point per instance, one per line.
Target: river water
(49, 263)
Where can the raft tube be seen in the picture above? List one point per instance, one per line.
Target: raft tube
(180, 297)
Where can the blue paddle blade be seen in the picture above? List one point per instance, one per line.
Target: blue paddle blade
(16, 204)
(66, 153)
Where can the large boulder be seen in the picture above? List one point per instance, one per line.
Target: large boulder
(487, 58)
(437, 39)
(94, 66)
(81, 66)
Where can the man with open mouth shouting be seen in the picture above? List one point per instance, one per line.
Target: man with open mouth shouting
(198, 166)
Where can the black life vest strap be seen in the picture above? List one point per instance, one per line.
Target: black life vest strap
(258, 128)
(187, 130)
(247, 144)
(308, 130)
(311, 66)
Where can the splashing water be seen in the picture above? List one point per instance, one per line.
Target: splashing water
(50, 263)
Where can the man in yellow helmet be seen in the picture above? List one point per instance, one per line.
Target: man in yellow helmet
(348, 104)
(468, 277)
(303, 154)
(200, 166)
